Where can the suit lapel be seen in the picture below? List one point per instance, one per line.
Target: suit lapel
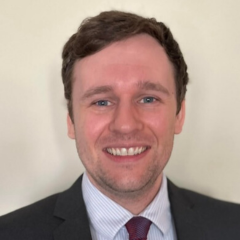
(71, 209)
(187, 222)
(73, 230)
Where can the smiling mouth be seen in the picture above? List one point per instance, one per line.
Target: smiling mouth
(126, 151)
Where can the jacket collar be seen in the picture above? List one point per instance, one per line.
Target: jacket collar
(188, 222)
(71, 208)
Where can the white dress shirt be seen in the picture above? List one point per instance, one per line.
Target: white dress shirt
(107, 218)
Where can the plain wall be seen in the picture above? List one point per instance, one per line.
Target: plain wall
(37, 158)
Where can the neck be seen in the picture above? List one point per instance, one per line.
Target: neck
(134, 202)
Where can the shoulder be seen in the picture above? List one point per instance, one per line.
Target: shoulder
(219, 219)
(199, 200)
(35, 221)
(211, 205)
(48, 217)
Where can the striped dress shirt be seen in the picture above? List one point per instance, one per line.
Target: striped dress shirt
(107, 218)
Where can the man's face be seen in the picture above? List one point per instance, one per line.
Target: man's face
(124, 107)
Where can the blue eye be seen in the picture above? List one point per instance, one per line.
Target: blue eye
(148, 100)
(103, 103)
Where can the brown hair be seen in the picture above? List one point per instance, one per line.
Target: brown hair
(97, 32)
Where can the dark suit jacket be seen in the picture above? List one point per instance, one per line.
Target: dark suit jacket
(63, 217)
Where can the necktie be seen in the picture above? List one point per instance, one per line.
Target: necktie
(137, 228)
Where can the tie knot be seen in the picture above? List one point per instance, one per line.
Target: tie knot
(138, 227)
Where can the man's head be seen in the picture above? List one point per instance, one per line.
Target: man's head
(125, 80)
(98, 32)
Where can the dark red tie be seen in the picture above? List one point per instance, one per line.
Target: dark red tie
(137, 228)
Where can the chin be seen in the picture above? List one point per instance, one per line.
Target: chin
(129, 184)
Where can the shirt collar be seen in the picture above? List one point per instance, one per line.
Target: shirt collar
(158, 211)
(107, 217)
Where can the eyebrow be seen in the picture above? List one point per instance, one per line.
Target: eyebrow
(97, 90)
(147, 85)
(143, 85)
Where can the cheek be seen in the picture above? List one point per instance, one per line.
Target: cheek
(93, 126)
(161, 124)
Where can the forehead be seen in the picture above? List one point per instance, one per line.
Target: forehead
(138, 58)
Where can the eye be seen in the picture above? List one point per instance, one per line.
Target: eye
(103, 103)
(148, 100)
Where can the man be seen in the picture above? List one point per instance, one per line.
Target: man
(125, 82)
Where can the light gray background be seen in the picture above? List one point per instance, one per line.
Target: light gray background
(36, 157)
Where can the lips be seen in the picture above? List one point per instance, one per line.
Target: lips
(131, 151)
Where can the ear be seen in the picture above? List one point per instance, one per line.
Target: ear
(70, 125)
(180, 119)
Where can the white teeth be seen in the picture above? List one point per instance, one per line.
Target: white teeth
(113, 151)
(140, 150)
(126, 152)
(131, 151)
(118, 151)
(136, 151)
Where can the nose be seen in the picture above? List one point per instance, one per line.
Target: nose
(126, 119)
